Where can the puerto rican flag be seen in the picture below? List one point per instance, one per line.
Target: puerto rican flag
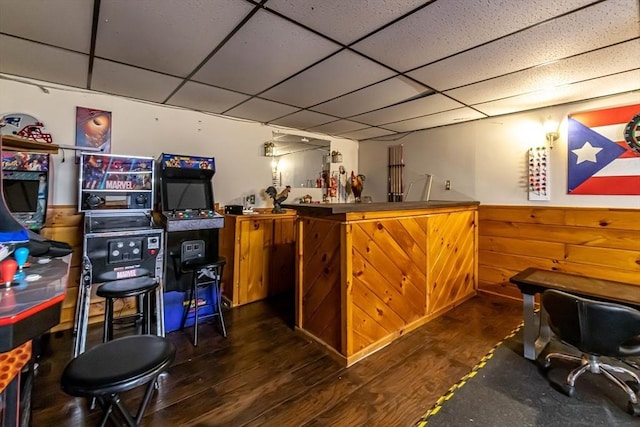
(599, 159)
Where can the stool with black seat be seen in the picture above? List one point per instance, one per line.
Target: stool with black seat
(139, 287)
(204, 272)
(110, 368)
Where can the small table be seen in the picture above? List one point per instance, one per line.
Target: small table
(533, 281)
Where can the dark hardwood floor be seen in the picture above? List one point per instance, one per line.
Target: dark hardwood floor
(266, 374)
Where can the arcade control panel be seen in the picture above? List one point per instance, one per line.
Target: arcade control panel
(121, 255)
(191, 219)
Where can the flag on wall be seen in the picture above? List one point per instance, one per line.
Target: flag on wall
(604, 152)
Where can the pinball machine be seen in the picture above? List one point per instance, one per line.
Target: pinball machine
(121, 239)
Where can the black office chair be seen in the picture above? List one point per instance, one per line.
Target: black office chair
(596, 329)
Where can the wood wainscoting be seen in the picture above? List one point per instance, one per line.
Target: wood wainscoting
(597, 242)
(64, 224)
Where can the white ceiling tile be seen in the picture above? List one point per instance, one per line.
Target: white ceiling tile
(495, 54)
(64, 24)
(264, 52)
(341, 73)
(613, 60)
(37, 61)
(205, 98)
(373, 97)
(610, 85)
(303, 119)
(168, 36)
(260, 110)
(563, 37)
(448, 27)
(419, 107)
(111, 77)
(344, 21)
(337, 127)
(458, 115)
(371, 132)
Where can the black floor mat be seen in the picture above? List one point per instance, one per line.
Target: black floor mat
(509, 390)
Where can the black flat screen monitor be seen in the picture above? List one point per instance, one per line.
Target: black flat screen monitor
(21, 195)
(183, 194)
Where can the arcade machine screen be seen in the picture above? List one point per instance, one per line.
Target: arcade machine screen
(21, 195)
(188, 194)
(25, 177)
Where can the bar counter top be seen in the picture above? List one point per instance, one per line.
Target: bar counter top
(326, 209)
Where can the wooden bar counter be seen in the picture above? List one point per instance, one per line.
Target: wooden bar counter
(367, 273)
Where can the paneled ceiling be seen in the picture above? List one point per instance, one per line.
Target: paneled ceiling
(358, 69)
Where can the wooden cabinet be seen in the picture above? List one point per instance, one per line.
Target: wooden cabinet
(260, 253)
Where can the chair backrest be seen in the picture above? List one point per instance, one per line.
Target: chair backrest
(592, 326)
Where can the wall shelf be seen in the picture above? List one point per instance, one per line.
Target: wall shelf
(14, 143)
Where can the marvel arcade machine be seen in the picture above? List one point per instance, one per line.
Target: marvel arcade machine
(121, 239)
(26, 177)
(185, 208)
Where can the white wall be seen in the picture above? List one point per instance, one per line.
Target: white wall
(486, 160)
(145, 129)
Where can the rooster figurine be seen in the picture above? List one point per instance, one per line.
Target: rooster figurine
(357, 182)
(278, 198)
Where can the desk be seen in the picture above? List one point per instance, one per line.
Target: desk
(533, 281)
(27, 310)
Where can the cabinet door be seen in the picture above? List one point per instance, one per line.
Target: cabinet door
(253, 258)
(266, 258)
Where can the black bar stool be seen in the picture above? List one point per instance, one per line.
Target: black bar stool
(111, 368)
(139, 287)
(204, 273)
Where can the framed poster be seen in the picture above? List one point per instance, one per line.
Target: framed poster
(93, 129)
(604, 152)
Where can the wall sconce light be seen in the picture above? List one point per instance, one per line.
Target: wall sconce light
(551, 131)
(269, 148)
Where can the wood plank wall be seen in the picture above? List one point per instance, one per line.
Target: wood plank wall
(597, 242)
(64, 224)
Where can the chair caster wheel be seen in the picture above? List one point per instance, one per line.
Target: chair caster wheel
(633, 408)
(564, 388)
(569, 390)
(544, 365)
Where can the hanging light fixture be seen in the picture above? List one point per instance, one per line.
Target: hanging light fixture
(269, 148)
(551, 131)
